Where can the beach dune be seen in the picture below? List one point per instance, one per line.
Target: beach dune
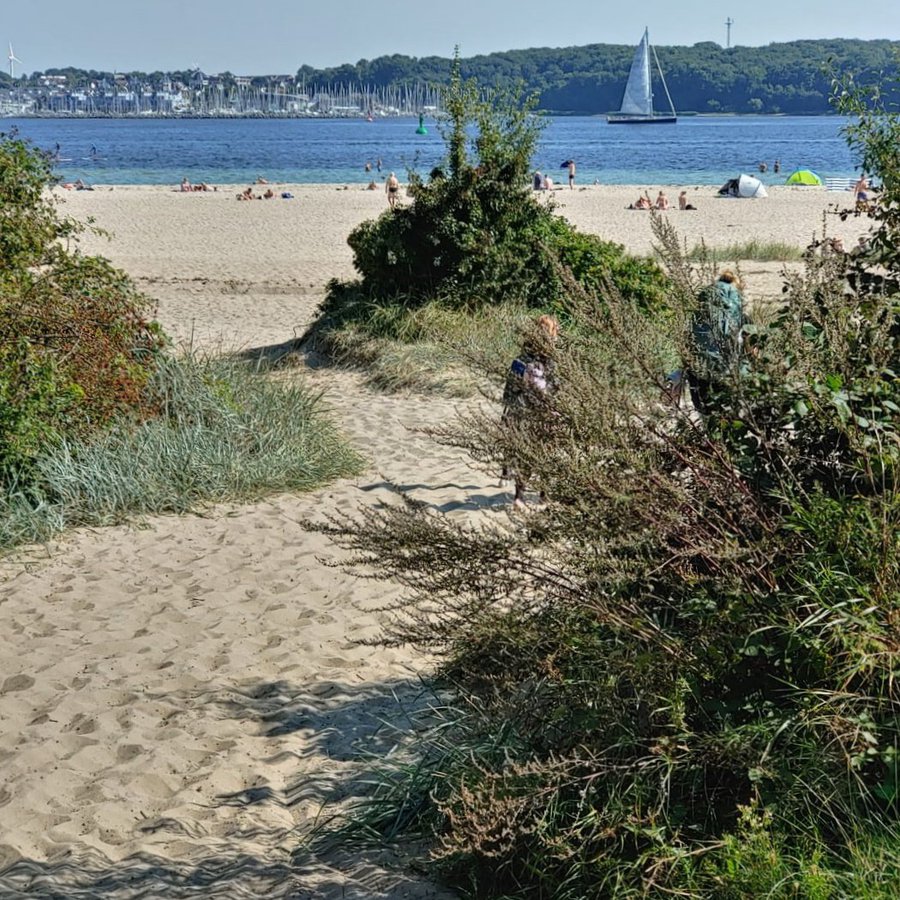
(180, 698)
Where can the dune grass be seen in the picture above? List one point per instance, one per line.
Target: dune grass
(226, 432)
(755, 250)
(427, 348)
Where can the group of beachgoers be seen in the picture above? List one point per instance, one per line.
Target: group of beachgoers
(541, 181)
(661, 202)
(719, 335)
(187, 187)
(776, 167)
(247, 194)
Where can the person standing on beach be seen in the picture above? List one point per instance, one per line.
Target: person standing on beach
(572, 174)
(392, 188)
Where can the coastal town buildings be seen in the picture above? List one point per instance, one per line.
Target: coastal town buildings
(197, 94)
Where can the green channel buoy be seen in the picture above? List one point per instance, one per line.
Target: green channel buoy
(421, 129)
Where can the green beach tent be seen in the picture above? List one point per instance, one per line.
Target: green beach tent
(803, 176)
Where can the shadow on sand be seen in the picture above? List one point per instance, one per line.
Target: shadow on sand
(349, 727)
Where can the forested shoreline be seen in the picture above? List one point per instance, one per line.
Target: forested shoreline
(791, 78)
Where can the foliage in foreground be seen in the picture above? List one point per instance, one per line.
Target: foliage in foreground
(97, 423)
(678, 677)
(474, 237)
(77, 346)
(224, 431)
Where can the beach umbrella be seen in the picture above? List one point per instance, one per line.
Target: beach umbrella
(803, 176)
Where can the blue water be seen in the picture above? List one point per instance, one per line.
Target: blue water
(236, 151)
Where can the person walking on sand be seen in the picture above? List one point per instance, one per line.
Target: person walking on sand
(528, 391)
(571, 174)
(392, 188)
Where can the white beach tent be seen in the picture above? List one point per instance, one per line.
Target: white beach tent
(743, 186)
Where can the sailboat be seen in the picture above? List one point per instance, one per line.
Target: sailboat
(637, 104)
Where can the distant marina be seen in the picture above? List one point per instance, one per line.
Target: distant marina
(214, 96)
(335, 149)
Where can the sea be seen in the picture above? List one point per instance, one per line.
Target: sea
(701, 150)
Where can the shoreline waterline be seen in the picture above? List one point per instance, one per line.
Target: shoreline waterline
(698, 150)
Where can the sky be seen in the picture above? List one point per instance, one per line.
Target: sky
(278, 36)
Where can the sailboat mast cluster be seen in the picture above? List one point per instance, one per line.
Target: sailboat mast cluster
(637, 102)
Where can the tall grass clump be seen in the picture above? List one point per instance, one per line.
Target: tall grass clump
(678, 676)
(223, 431)
(473, 237)
(756, 250)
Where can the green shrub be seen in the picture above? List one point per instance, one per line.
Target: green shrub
(77, 345)
(473, 238)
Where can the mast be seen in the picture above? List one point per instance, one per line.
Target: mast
(662, 78)
(647, 78)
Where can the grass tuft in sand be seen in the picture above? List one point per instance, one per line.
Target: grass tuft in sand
(226, 431)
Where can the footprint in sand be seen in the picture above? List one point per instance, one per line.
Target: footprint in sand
(16, 683)
(81, 724)
(127, 752)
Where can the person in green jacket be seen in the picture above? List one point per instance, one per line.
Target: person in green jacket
(717, 338)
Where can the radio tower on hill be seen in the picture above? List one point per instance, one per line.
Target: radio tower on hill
(728, 23)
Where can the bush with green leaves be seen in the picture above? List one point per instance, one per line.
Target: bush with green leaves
(678, 677)
(474, 234)
(77, 344)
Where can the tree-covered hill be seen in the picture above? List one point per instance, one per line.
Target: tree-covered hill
(786, 78)
(779, 78)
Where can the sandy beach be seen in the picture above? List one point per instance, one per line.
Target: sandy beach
(249, 274)
(179, 698)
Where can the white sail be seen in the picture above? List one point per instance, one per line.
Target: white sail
(637, 104)
(638, 99)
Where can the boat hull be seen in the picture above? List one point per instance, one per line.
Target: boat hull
(641, 120)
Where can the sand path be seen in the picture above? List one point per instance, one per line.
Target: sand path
(179, 699)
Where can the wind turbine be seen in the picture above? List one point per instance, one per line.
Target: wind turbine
(13, 59)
